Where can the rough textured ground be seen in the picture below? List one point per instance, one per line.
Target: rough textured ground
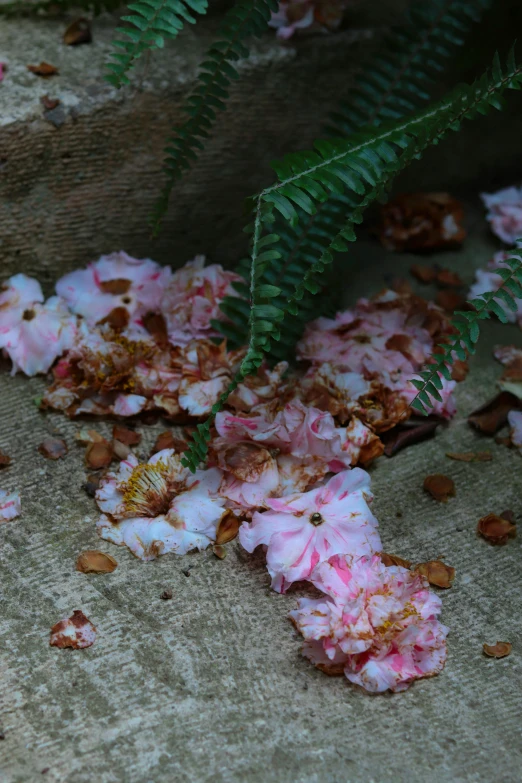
(210, 686)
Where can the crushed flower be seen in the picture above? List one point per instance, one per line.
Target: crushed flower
(10, 505)
(504, 213)
(77, 632)
(376, 623)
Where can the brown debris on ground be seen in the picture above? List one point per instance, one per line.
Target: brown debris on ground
(76, 632)
(440, 487)
(99, 455)
(53, 448)
(493, 415)
(496, 529)
(498, 650)
(422, 222)
(436, 572)
(45, 70)
(394, 560)
(470, 456)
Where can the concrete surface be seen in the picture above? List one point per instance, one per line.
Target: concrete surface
(210, 686)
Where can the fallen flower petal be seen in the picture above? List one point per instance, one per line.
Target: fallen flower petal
(379, 623)
(440, 487)
(219, 551)
(5, 459)
(121, 450)
(424, 274)
(93, 561)
(470, 456)
(99, 455)
(436, 572)
(49, 103)
(492, 416)
(125, 435)
(504, 213)
(394, 560)
(44, 70)
(448, 278)
(302, 530)
(451, 301)
(53, 448)
(515, 433)
(166, 440)
(498, 650)
(227, 529)
(495, 529)
(421, 222)
(10, 505)
(167, 595)
(77, 632)
(78, 32)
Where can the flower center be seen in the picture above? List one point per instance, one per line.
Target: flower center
(147, 493)
(28, 315)
(316, 519)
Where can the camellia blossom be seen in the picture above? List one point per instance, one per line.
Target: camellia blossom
(302, 530)
(192, 298)
(10, 505)
(115, 283)
(159, 506)
(488, 279)
(33, 334)
(505, 213)
(377, 624)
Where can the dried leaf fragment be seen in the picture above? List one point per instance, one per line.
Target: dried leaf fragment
(166, 595)
(492, 416)
(450, 300)
(77, 632)
(228, 528)
(86, 436)
(448, 278)
(219, 551)
(93, 561)
(44, 70)
(125, 435)
(394, 560)
(99, 455)
(436, 572)
(496, 529)
(498, 650)
(121, 450)
(424, 274)
(440, 487)
(422, 222)
(53, 448)
(78, 32)
(405, 435)
(5, 459)
(470, 456)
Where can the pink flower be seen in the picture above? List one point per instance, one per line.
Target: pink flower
(292, 16)
(116, 281)
(10, 505)
(377, 623)
(487, 280)
(192, 299)
(305, 529)
(445, 407)
(505, 213)
(33, 334)
(515, 423)
(159, 506)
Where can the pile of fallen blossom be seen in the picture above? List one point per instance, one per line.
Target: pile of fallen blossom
(126, 337)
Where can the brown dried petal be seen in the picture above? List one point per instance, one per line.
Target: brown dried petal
(436, 572)
(509, 515)
(117, 319)
(94, 562)
(116, 287)
(498, 650)
(459, 370)
(440, 487)
(166, 595)
(85, 436)
(98, 455)
(492, 416)
(49, 103)
(496, 529)
(125, 435)
(166, 440)
(77, 632)
(448, 278)
(156, 325)
(401, 286)
(228, 528)
(394, 560)
(246, 461)
(450, 301)
(405, 435)
(78, 32)
(219, 551)
(121, 450)
(44, 70)
(424, 274)
(470, 456)
(53, 448)
(5, 459)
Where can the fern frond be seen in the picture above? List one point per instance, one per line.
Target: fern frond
(362, 167)
(150, 23)
(467, 326)
(394, 82)
(248, 18)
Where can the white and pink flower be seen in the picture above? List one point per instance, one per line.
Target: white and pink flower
(377, 624)
(33, 334)
(488, 279)
(505, 213)
(117, 282)
(515, 433)
(10, 505)
(159, 506)
(302, 530)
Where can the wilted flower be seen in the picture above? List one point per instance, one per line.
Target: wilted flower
(303, 530)
(505, 213)
(159, 506)
(192, 300)
(33, 334)
(377, 623)
(117, 283)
